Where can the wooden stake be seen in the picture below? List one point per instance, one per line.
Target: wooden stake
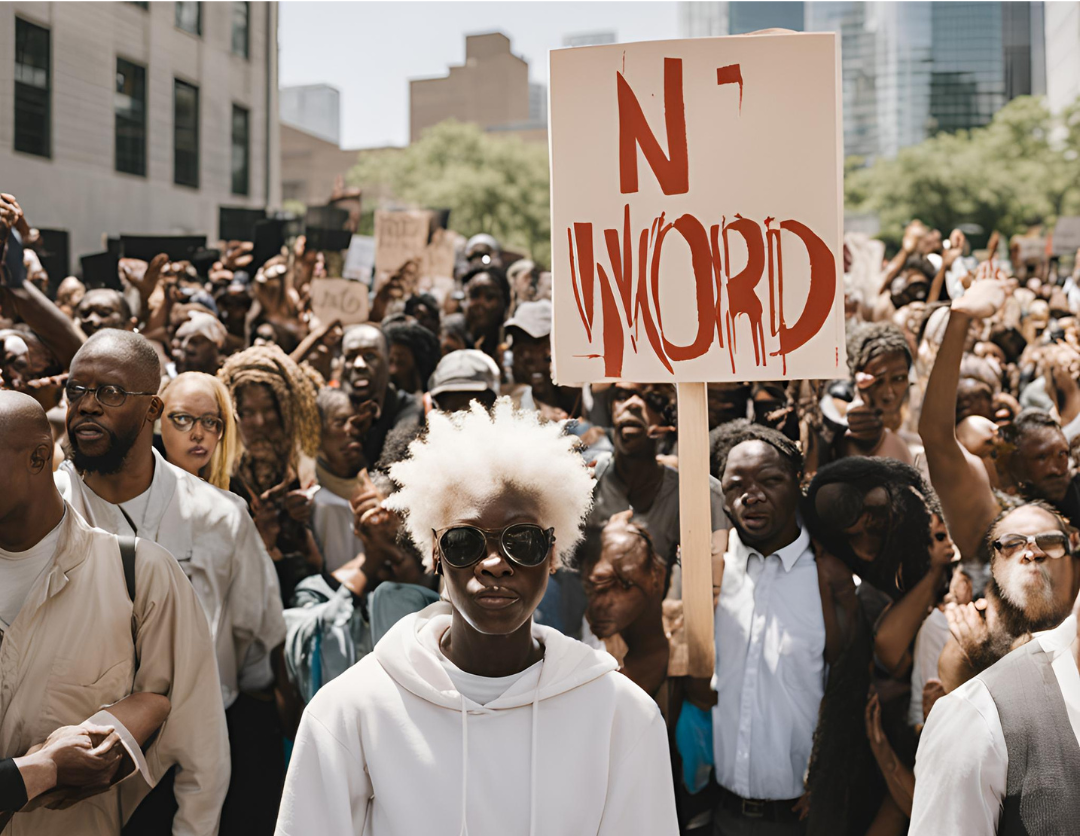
(695, 524)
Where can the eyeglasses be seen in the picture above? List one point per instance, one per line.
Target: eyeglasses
(107, 395)
(1053, 544)
(185, 423)
(525, 544)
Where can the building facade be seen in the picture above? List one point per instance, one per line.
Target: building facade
(909, 69)
(314, 108)
(491, 89)
(1062, 54)
(138, 118)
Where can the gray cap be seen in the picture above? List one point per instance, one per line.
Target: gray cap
(534, 318)
(466, 370)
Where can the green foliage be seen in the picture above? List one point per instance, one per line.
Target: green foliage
(490, 183)
(1021, 169)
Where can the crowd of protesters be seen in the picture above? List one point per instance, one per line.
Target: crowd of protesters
(443, 593)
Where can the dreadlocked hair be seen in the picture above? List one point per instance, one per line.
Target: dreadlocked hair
(727, 437)
(875, 339)
(421, 342)
(294, 389)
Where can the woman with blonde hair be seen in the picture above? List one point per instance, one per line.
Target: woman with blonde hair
(198, 428)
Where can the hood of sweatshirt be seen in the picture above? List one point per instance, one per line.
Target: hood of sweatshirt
(410, 654)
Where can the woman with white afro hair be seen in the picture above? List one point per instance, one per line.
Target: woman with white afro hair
(468, 718)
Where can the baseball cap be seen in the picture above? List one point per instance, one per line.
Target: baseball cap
(534, 318)
(465, 370)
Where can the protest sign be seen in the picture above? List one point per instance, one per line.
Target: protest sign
(342, 299)
(1067, 235)
(697, 210)
(360, 259)
(399, 237)
(1029, 250)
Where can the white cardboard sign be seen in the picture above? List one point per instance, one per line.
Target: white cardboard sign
(697, 205)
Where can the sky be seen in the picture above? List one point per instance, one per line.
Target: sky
(370, 50)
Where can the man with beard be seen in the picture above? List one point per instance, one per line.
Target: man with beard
(1001, 754)
(378, 406)
(118, 482)
(75, 639)
(770, 637)
(278, 424)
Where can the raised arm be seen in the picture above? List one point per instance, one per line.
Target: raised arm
(958, 477)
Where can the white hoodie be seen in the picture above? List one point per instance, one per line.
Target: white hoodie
(390, 748)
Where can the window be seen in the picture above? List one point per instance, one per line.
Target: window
(32, 90)
(144, 6)
(189, 17)
(240, 150)
(241, 18)
(185, 134)
(130, 102)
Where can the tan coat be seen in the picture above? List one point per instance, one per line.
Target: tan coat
(70, 652)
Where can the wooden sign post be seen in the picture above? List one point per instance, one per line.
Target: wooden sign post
(697, 215)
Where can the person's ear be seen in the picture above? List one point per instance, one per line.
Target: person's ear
(41, 457)
(157, 406)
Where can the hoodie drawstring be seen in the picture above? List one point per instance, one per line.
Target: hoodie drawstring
(464, 763)
(532, 764)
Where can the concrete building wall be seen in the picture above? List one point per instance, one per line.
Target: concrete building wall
(491, 88)
(309, 166)
(78, 188)
(315, 108)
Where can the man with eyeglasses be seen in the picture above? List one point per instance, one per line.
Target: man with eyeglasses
(118, 482)
(1001, 754)
(76, 634)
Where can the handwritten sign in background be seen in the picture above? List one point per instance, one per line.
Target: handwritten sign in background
(757, 191)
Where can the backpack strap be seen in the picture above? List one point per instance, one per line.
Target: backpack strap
(127, 557)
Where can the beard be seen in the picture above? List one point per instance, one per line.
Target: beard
(1026, 607)
(109, 462)
(266, 462)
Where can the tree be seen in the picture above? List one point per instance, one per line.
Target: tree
(490, 183)
(1021, 169)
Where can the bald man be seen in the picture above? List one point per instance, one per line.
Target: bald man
(73, 640)
(118, 482)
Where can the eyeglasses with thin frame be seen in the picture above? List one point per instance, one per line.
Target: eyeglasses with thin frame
(185, 423)
(106, 394)
(1054, 544)
(525, 544)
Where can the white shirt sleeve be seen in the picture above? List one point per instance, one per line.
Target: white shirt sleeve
(327, 789)
(961, 767)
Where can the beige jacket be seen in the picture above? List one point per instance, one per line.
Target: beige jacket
(212, 537)
(70, 652)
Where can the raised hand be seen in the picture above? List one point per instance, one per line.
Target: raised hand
(983, 299)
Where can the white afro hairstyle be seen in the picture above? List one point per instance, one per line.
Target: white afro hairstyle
(469, 456)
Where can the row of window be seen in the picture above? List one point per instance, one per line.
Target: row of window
(189, 18)
(33, 129)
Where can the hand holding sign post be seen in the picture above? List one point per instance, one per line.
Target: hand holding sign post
(696, 234)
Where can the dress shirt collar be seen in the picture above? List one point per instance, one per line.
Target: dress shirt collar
(788, 555)
(1058, 640)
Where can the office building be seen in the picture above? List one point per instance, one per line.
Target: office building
(491, 89)
(138, 118)
(712, 19)
(314, 108)
(1062, 54)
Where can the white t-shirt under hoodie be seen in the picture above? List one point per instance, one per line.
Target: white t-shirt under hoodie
(392, 746)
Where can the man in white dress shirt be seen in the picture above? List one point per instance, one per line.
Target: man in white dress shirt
(119, 483)
(770, 638)
(1001, 754)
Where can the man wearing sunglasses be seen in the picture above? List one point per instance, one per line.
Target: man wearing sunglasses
(118, 482)
(1001, 754)
(505, 726)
